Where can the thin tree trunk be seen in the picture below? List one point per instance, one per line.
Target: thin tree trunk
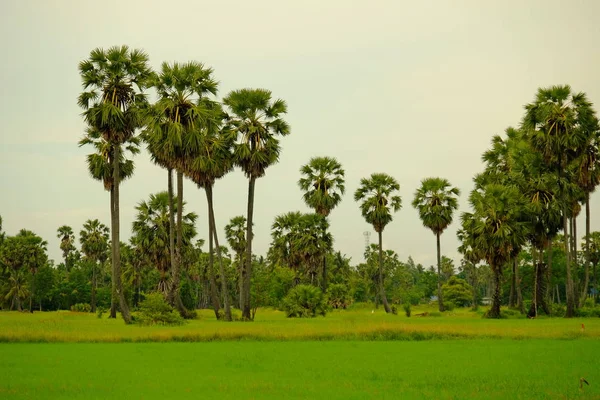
(32, 293)
(586, 281)
(116, 241)
(171, 233)
(495, 310)
(513, 282)
(557, 294)
(176, 278)
(211, 266)
(570, 293)
(324, 273)
(211, 214)
(247, 272)
(386, 306)
(439, 270)
(595, 284)
(550, 249)
(113, 288)
(93, 301)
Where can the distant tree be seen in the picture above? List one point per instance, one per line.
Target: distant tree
(235, 233)
(458, 292)
(67, 240)
(323, 185)
(436, 200)
(255, 121)
(94, 239)
(114, 104)
(379, 198)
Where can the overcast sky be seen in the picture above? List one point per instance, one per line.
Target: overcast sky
(410, 88)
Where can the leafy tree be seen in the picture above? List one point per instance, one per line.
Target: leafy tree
(256, 122)
(114, 104)
(305, 301)
(17, 288)
(94, 239)
(323, 185)
(436, 202)
(556, 123)
(67, 240)
(379, 199)
(458, 292)
(235, 233)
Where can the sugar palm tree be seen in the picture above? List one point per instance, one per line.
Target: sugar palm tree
(114, 103)
(17, 288)
(235, 233)
(495, 230)
(323, 185)
(67, 240)
(173, 121)
(379, 196)
(436, 200)
(556, 123)
(94, 239)
(255, 120)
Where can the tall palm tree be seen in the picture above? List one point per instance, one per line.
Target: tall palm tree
(94, 239)
(173, 121)
(212, 161)
(496, 231)
(235, 233)
(114, 104)
(256, 122)
(379, 196)
(100, 167)
(556, 123)
(436, 200)
(323, 185)
(67, 240)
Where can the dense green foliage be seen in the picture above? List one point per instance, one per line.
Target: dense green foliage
(305, 301)
(154, 310)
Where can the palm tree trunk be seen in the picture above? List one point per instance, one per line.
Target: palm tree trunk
(171, 232)
(513, 283)
(32, 292)
(113, 289)
(116, 244)
(211, 214)
(247, 271)
(386, 306)
(93, 300)
(211, 266)
(570, 293)
(439, 270)
(586, 281)
(495, 310)
(176, 278)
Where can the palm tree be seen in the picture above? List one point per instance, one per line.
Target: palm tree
(556, 123)
(151, 232)
(283, 247)
(17, 288)
(256, 122)
(436, 202)
(379, 199)
(174, 120)
(67, 238)
(100, 167)
(113, 104)
(235, 233)
(495, 231)
(323, 186)
(94, 239)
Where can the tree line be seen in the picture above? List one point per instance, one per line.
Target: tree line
(535, 181)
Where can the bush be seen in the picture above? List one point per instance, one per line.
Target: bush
(557, 310)
(81, 307)
(304, 301)
(101, 311)
(339, 296)
(407, 309)
(448, 306)
(154, 310)
(457, 291)
(587, 312)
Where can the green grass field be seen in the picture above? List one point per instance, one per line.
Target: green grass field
(347, 355)
(455, 369)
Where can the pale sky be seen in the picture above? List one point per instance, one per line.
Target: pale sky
(410, 88)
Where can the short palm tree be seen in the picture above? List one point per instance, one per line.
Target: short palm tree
(380, 198)
(436, 200)
(94, 239)
(235, 233)
(67, 240)
(323, 185)
(114, 103)
(17, 288)
(255, 121)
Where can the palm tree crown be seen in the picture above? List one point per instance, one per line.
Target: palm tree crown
(436, 202)
(379, 199)
(322, 183)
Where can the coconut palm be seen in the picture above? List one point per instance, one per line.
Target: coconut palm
(94, 239)
(114, 104)
(436, 200)
(379, 196)
(496, 231)
(67, 240)
(556, 124)
(323, 185)
(255, 121)
(173, 121)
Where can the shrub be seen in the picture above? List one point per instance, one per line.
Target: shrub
(339, 296)
(304, 301)
(557, 310)
(154, 310)
(407, 309)
(457, 291)
(448, 306)
(101, 311)
(81, 307)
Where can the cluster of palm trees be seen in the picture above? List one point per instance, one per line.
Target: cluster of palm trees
(187, 131)
(533, 185)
